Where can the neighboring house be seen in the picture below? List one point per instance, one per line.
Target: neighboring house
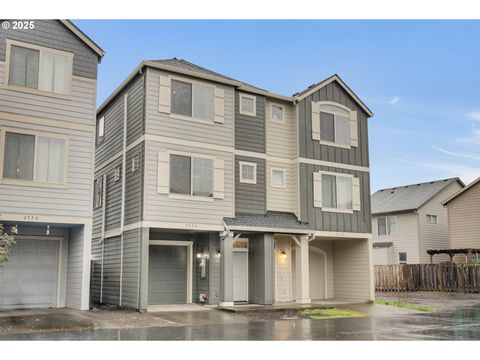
(207, 185)
(408, 220)
(464, 220)
(48, 73)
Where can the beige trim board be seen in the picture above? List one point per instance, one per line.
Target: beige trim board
(120, 153)
(46, 122)
(172, 225)
(189, 143)
(252, 154)
(68, 24)
(271, 230)
(334, 164)
(339, 234)
(45, 218)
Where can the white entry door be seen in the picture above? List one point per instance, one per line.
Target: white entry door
(240, 276)
(316, 264)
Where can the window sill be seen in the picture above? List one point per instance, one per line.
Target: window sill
(190, 197)
(251, 182)
(37, 92)
(343, 211)
(329, 143)
(278, 186)
(33, 184)
(192, 119)
(247, 113)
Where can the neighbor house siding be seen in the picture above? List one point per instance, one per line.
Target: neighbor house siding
(111, 271)
(163, 208)
(358, 222)
(75, 268)
(131, 268)
(406, 238)
(250, 130)
(464, 221)
(435, 236)
(166, 125)
(134, 185)
(53, 34)
(250, 198)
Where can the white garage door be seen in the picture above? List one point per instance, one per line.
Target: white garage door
(29, 278)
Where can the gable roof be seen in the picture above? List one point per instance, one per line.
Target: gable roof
(408, 197)
(280, 221)
(82, 36)
(466, 188)
(312, 88)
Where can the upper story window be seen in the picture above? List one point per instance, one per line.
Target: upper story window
(37, 158)
(100, 129)
(387, 225)
(193, 99)
(98, 193)
(135, 163)
(277, 113)
(117, 173)
(191, 175)
(247, 104)
(432, 219)
(278, 177)
(334, 124)
(35, 68)
(248, 172)
(336, 192)
(402, 257)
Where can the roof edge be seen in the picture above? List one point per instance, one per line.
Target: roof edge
(473, 183)
(457, 179)
(403, 211)
(329, 80)
(82, 36)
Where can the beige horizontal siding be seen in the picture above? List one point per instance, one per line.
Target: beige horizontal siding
(281, 137)
(283, 199)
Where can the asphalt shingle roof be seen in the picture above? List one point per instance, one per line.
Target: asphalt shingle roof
(272, 219)
(408, 197)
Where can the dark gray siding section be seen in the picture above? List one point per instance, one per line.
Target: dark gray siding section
(200, 285)
(249, 130)
(214, 269)
(53, 34)
(312, 149)
(134, 186)
(359, 221)
(113, 113)
(111, 271)
(131, 268)
(261, 269)
(250, 198)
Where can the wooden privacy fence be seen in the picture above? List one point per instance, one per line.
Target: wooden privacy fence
(427, 277)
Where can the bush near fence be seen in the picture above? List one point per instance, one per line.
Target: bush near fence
(449, 277)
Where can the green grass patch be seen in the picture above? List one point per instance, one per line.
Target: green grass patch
(403, 304)
(331, 313)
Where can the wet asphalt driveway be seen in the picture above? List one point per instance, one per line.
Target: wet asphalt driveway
(381, 323)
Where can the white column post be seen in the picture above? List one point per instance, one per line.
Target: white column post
(302, 276)
(226, 270)
(87, 256)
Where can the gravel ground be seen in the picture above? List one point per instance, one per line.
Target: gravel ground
(124, 318)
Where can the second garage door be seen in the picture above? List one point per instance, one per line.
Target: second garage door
(167, 276)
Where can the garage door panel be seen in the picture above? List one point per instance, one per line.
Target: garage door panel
(29, 278)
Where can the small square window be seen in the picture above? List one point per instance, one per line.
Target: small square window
(278, 178)
(248, 172)
(98, 193)
(402, 257)
(116, 174)
(248, 105)
(432, 219)
(277, 113)
(100, 129)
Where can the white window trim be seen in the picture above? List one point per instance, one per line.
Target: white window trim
(41, 49)
(242, 96)
(100, 179)
(406, 257)
(247, 181)
(337, 210)
(117, 174)
(192, 118)
(284, 171)
(100, 138)
(191, 196)
(430, 216)
(386, 225)
(334, 113)
(282, 121)
(34, 183)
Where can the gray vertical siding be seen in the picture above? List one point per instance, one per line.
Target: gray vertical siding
(250, 198)
(53, 34)
(359, 221)
(131, 268)
(311, 149)
(214, 269)
(249, 130)
(261, 269)
(111, 271)
(134, 186)
(113, 113)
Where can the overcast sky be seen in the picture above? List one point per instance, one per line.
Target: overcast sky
(420, 78)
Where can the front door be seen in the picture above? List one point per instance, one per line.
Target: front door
(240, 276)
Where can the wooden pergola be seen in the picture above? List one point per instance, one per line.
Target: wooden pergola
(452, 252)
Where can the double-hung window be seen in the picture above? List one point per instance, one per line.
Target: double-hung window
(278, 177)
(248, 172)
(34, 157)
(337, 192)
(196, 100)
(98, 193)
(277, 113)
(334, 128)
(387, 225)
(38, 68)
(432, 219)
(247, 104)
(191, 175)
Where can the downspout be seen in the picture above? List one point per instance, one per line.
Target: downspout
(122, 211)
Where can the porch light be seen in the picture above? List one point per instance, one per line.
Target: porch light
(284, 253)
(218, 253)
